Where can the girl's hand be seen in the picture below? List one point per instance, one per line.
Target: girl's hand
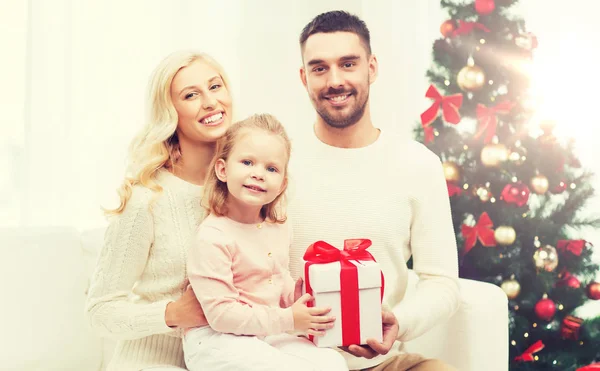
(185, 312)
(311, 321)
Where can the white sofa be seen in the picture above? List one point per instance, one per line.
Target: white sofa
(45, 274)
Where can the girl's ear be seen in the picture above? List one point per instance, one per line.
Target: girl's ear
(221, 170)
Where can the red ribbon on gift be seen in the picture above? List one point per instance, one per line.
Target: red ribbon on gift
(467, 27)
(482, 231)
(450, 106)
(573, 246)
(592, 367)
(488, 120)
(321, 252)
(527, 356)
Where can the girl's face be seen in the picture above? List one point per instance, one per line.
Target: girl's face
(255, 170)
(202, 102)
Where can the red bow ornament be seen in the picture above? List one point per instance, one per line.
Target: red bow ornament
(527, 356)
(453, 189)
(467, 27)
(575, 247)
(483, 231)
(352, 260)
(450, 106)
(488, 120)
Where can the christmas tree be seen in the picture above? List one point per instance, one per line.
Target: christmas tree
(516, 189)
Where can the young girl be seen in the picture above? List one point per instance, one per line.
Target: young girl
(238, 263)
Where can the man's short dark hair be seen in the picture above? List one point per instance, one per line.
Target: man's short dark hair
(336, 21)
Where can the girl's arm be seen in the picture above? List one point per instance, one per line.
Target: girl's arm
(121, 262)
(210, 274)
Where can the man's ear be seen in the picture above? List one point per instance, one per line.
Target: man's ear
(221, 170)
(373, 68)
(303, 76)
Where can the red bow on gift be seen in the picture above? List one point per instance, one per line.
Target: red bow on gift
(527, 356)
(573, 246)
(467, 27)
(482, 231)
(450, 106)
(321, 252)
(488, 120)
(592, 367)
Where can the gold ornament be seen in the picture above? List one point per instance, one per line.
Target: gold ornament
(484, 193)
(493, 155)
(546, 258)
(511, 287)
(547, 126)
(470, 78)
(539, 184)
(451, 171)
(505, 235)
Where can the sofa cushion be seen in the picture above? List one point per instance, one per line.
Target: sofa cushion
(44, 284)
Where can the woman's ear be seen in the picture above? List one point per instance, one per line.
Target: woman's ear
(221, 170)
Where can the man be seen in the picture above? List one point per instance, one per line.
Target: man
(352, 180)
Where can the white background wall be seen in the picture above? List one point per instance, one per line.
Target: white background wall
(74, 75)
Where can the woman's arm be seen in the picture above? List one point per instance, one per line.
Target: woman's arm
(127, 243)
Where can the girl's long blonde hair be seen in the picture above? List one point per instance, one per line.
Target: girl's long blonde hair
(157, 145)
(215, 191)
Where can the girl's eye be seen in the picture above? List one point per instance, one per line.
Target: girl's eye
(272, 169)
(247, 162)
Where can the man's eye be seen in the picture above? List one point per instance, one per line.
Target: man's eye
(319, 69)
(348, 65)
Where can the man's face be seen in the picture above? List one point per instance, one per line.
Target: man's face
(337, 73)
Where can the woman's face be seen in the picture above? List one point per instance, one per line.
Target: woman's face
(202, 102)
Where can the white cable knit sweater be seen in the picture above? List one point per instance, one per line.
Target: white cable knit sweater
(142, 267)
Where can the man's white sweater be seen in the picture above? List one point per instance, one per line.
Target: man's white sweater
(392, 192)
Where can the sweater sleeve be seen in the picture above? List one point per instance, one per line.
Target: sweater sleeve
(433, 246)
(210, 273)
(127, 243)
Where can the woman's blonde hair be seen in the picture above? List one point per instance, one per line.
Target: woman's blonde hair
(215, 191)
(157, 145)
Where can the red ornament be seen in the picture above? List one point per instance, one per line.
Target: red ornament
(569, 281)
(447, 28)
(591, 367)
(545, 309)
(527, 355)
(574, 247)
(559, 188)
(593, 291)
(515, 193)
(569, 328)
(453, 189)
(484, 7)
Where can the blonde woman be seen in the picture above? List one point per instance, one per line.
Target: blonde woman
(139, 292)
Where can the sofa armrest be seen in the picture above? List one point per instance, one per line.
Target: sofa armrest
(476, 337)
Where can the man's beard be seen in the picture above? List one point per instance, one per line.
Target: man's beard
(344, 122)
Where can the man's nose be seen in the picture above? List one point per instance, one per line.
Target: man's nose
(335, 79)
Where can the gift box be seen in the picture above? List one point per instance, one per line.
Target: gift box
(350, 282)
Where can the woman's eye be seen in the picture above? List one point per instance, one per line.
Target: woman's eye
(215, 87)
(190, 95)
